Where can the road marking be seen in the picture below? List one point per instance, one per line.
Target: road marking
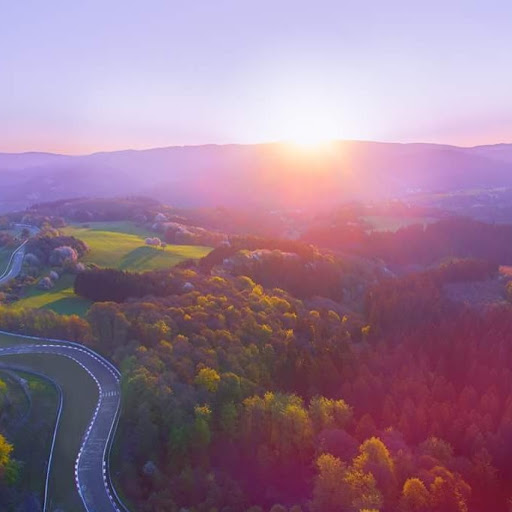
(63, 350)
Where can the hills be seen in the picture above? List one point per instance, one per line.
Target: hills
(274, 175)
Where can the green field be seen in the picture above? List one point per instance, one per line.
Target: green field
(121, 245)
(120, 226)
(78, 389)
(112, 244)
(60, 299)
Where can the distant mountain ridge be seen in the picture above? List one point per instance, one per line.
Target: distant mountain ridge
(271, 175)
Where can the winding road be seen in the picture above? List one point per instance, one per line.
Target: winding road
(92, 476)
(16, 260)
(14, 265)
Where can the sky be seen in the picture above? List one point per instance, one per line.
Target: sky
(98, 75)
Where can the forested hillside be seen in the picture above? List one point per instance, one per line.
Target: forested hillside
(272, 375)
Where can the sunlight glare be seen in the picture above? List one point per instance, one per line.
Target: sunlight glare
(310, 143)
(308, 123)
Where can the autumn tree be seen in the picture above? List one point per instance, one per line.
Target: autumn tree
(374, 458)
(208, 379)
(328, 493)
(415, 496)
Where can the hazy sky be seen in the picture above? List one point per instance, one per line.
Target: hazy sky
(79, 76)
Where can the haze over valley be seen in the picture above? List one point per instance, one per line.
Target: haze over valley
(278, 175)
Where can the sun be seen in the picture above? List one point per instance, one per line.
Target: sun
(310, 142)
(309, 127)
(314, 142)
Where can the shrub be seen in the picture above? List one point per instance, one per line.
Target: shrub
(62, 255)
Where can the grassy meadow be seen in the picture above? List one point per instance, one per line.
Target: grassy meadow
(60, 299)
(121, 245)
(117, 245)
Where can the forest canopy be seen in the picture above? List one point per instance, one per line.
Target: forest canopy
(273, 375)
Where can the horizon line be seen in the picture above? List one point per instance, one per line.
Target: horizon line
(263, 143)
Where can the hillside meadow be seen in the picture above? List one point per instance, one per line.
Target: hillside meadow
(118, 245)
(121, 245)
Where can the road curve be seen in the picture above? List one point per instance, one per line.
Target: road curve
(15, 262)
(91, 467)
(14, 265)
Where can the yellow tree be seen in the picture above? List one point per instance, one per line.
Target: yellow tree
(415, 496)
(328, 413)
(450, 493)
(7, 466)
(374, 458)
(328, 493)
(361, 490)
(208, 379)
(5, 452)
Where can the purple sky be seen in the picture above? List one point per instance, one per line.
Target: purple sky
(81, 76)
